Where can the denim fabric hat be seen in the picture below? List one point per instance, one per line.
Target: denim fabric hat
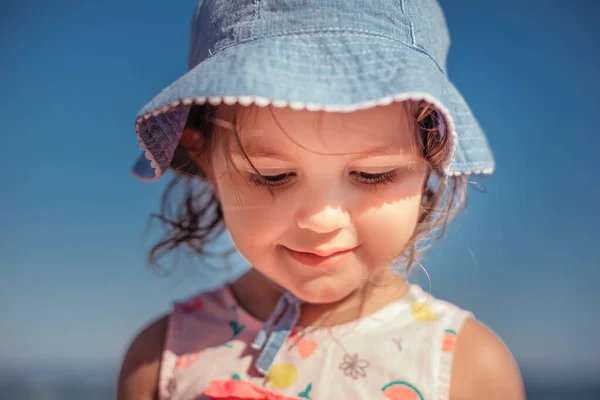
(331, 55)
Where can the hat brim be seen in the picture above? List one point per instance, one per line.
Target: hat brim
(330, 72)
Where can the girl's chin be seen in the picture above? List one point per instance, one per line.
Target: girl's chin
(321, 292)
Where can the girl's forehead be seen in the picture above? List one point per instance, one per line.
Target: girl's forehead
(384, 127)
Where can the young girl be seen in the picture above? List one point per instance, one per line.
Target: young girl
(325, 136)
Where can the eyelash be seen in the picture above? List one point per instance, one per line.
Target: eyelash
(366, 178)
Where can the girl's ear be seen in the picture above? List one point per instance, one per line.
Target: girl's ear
(196, 162)
(426, 196)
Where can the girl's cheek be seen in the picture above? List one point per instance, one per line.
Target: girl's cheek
(245, 206)
(393, 222)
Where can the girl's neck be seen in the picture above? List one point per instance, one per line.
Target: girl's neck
(363, 301)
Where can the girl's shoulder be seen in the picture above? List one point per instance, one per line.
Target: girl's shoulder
(473, 362)
(483, 366)
(140, 367)
(143, 362)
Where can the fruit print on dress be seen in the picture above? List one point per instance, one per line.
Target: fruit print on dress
(304, 347)
(282, 376)
(400, 390)
(449, 341)
(233, 389)
(186, 360)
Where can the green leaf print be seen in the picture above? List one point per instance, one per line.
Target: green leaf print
(306, 393)
(236, 327)
(234, 324)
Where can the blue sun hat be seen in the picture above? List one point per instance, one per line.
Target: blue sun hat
(330, 55)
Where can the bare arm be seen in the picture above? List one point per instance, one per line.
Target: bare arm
(483, 367)
(138, 377)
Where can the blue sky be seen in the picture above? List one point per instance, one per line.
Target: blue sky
(74, 286)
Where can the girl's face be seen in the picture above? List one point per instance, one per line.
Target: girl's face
(347, 191)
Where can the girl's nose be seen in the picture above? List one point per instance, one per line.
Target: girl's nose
(323, 214)
(327, 219)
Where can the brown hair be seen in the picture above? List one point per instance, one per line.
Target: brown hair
(197, 219)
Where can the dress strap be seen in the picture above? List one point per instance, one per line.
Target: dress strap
(270, 341)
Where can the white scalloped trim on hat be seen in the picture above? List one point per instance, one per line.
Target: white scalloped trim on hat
(158, 172)
(298, 105)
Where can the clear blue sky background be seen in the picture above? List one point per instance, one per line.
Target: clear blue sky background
(74, 286)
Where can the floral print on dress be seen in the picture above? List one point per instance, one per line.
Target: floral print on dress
(353, 366)
(218, 329)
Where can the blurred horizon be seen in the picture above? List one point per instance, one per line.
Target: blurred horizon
(74, 283)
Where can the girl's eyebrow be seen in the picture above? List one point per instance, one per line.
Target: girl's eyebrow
(385, 151)
(258, 150)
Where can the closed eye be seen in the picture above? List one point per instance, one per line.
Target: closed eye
(375, 179)
(362, 177)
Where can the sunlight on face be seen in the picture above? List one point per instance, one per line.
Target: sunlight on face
(347, 189)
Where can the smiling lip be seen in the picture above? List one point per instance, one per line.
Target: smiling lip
(320, 261)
